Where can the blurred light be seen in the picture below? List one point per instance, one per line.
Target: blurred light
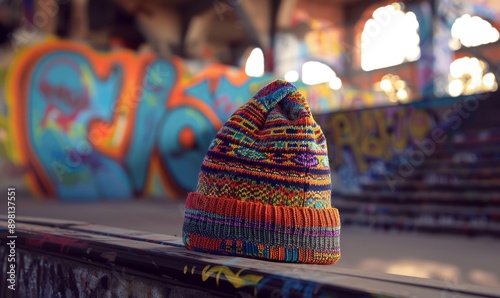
(474, 82)
(402, 95)
(386, 85)
(484, 278)
(335, 83)
(473, 31)
(291, 76)
(314, 73)
(400, 84)
(411, 267)
(411, 22)
(467, 76)
(389, 38)
(393, 98)
(457, 69)
(255, 63)
(397, 6)
(413, 54)
(489, 80)
(395, 88)
(382, 16)
(454, 44)
(455, 88)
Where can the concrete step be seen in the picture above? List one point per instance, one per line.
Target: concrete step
(467, 198)
(423, 224)
(476, 216)
(451, 185)
(467, 160)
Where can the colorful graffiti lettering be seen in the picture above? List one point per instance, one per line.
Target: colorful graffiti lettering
(375, 134)
(90, 126)
(236, 279)
(362, 144)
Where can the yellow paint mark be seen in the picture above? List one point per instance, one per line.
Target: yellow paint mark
(87, 80)
(121, 125)
(185, 269)
(192, 270)
(236, 279)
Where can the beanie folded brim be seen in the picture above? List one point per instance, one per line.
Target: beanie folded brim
(227, 226)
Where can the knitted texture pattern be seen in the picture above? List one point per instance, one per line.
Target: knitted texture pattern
(264, 188)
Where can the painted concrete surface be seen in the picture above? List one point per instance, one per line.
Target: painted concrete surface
(80, 251)
(43, 275)
(453, 259)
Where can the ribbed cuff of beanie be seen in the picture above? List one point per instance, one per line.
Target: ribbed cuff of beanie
(280, 233)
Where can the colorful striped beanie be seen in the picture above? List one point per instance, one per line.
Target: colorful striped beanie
(264, 186)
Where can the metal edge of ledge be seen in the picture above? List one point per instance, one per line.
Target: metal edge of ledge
(163, 257)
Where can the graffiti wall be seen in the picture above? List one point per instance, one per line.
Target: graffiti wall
(361, 143)
(79, 124)
(87, 125)
(387, 144)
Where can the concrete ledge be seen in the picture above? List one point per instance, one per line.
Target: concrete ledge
(76, 259)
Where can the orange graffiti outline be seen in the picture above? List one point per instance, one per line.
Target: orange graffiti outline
(17, 83)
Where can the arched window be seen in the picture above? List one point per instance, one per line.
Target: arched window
(390, 37)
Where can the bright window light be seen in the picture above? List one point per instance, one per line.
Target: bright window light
(489, 80)
(291, 76)
(473, 31)
(455, 88)
(255, 63)
(469, 75)
(402, 95)
(389, 38)
(314, 72)
(335, 83)
(386, 85)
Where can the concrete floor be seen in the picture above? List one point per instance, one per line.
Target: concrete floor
(454, 259)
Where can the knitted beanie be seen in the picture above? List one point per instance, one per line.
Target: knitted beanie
(264, 186)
